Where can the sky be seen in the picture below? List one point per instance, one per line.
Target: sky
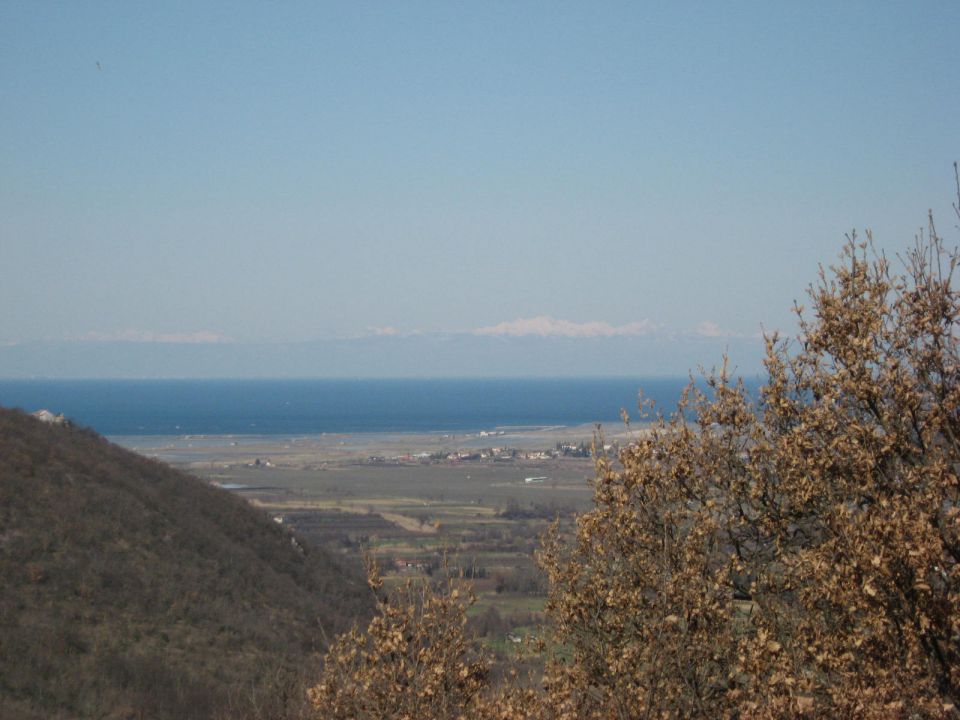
(287, 188)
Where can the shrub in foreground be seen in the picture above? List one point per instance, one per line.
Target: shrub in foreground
(797, 556)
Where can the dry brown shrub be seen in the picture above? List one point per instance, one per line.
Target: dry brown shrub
(414, 661)
(797, 557)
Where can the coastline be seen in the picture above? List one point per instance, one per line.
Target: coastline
(301, 451)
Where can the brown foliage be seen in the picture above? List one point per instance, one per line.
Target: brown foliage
(414, 661)
(797, 557)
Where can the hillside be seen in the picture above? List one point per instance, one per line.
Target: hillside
(128, 589)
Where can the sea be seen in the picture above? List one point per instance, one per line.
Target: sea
(305, 407)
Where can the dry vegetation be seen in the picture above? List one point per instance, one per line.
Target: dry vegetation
(790, 555)
(793, 558)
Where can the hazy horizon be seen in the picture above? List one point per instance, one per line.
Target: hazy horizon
(341, 189)
(425, 356)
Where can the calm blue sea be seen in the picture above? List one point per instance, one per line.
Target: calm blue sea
(291, 407)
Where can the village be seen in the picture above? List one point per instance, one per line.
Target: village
(496, 454)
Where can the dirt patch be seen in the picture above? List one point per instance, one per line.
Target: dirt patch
(411, 524)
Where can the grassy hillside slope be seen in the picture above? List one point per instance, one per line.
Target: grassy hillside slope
(128, 589)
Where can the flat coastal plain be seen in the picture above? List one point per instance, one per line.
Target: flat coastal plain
(424, 504)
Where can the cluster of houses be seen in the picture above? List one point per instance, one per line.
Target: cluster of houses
(495, 454)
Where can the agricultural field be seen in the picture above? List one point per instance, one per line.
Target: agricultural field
(422, 505)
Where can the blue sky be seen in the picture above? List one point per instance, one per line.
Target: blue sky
(270, 175)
